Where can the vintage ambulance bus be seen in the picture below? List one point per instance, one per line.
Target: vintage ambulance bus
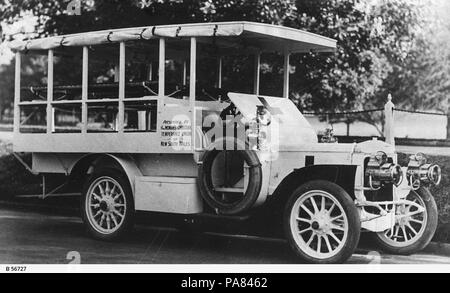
(150, 120)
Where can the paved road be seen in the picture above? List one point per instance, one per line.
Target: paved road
(30, 237)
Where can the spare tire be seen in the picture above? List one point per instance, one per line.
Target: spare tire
(207, 189)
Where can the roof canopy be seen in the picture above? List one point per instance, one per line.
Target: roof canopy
(242, 35)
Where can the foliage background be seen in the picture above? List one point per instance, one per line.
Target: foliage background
(384, 46)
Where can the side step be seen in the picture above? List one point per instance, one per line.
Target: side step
(47, 196)
(221, 217)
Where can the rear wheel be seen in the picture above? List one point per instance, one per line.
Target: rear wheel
(416, 223)
(107, 205)
(322, 223)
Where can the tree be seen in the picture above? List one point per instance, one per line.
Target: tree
(373, 42)
(373, 39)
(6, 88)
(432, 63)
(104, 14)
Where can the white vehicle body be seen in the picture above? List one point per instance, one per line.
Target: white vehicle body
(162, 165)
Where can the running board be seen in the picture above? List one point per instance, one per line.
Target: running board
(222, 217)
(47, 196)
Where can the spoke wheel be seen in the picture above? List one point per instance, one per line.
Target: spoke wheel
(415, 224)
(319, 223)
(410, 222)
(323, 223)
(108, 206)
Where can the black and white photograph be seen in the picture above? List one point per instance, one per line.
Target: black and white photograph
(224, 136)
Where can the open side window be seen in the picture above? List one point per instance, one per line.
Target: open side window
(141, 86)
(141, 116)
(67, 90)
(33, 92)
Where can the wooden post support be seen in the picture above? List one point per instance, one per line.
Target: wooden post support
(256, 81)
(192, 92)
(17, 94)
(184, 73)
(84, 91)
(150, 71)
(116, 72)
(161, 82)
(219, 72)
(121, 111)
(50, 123)
(389, 121)
(162, 68)
(286, 74)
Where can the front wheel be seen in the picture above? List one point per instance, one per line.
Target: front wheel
(416, 223)
(322, 223)
(107, 205)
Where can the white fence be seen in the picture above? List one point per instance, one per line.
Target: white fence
(400, 124)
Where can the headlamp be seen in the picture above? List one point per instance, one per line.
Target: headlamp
(422, 173)
(380, 172)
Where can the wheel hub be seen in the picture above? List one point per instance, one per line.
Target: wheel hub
(402, 216)
(403, 221)
(104, 206)
(107, 204)
(321, 223)
(315, 225)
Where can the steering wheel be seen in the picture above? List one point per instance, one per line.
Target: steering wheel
(203, 93)
(215, 94)
(182, 92)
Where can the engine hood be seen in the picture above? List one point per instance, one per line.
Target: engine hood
(373, 146)
(288, 126)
